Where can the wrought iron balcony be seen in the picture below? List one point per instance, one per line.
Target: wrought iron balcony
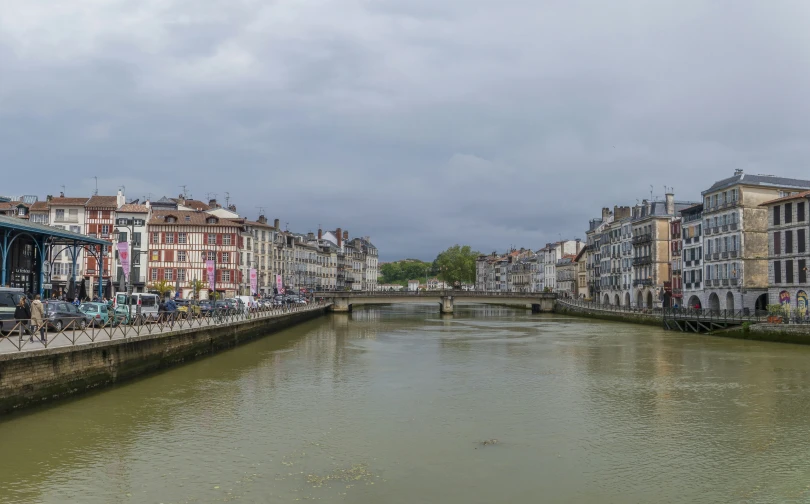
(642, 283)
(638, 261)
(645, 238)
(733, 253)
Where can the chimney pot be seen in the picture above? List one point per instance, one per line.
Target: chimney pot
(320, 233)
(346, 235)
(276, 224)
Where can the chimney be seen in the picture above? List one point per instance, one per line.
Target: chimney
(213, 203)
(670, 199)
(738, 171)
(262, 219)
(320, 233)
(345, 236)
(232, 208)
(605, 214)
(339, 235)
(49, 198)
(61, 194)
(120, 199)
(276, 224)
(647, 207)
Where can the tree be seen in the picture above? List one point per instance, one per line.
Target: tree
(196, 287)
(400, 272)
(456, 264)
(162, 287)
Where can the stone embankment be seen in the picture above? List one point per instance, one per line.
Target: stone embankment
(31, 377)
(603, 312)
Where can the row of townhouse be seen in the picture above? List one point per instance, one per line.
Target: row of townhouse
(173, 240)
(549, 269)
(742, 247)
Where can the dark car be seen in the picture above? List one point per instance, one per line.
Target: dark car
(9, 298)
(206, 307)
(223, 307)
(59, 315)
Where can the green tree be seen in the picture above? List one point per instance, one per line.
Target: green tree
(196, 287)
(162, 287)
(400, 272)
(456, 264)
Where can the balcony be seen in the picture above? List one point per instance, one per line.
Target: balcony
(715, 230)
(715, 256)
(638, 261)
(645, 238)
(642, 283)
(725, 282)
(733, 226)
(707, 231)
(734, 281)
(733, 253)
(724, 255)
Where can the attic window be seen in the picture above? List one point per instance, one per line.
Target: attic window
(211, 220)
(171, 219)
(188, 218)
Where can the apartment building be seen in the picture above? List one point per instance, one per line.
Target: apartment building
(180, 244)
(788, 251)
(566, 271)
(593, 238)
(582, 273)
(735, 238)
(131, 227)
(674, 287)
(615, 254)
(69, 214)
(263, 240)
(100, 216)
(692, 256)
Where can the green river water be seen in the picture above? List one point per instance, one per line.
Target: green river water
(394, 405)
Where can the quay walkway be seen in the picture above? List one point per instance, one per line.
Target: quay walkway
(19, 341)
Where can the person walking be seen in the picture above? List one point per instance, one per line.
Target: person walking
(38, 317)
(22, 314)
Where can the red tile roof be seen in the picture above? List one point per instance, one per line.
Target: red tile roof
(102, 202)
(800, 195)
(39, 206)
(194, 219)
(68, 201)
(195, 204)
(133, 208)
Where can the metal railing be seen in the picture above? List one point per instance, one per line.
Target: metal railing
(433, 293)
(710, 315)
(591, 305)
(23, 335)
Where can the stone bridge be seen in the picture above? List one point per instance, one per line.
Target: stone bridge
(537, 301)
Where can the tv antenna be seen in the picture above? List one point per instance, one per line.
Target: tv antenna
(261, 210)
(185, 193)
(651, 191)
(227, 198)
(286, 226)
(208, 195)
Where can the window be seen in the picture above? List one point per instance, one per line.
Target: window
(226, 276)
(122, 237)
(155, 237)
(734, 195)
(800, 241)
(802, 271)
(789, 271)
(181, 256)
(99, 214)
(136, 239)
(60, 214)
(212, 239)
(226, 239)
(212, 256)
(181, 238)
(105, 230)
(777, 242)
(136, 258)
(188, 218)
(788, 213)
(788, 241)
(73, 214)
(776, 219)
(154, 255)
(154, 274)
(170, 238)
(167, 274)
(181, 275)
(734, 243)
(226, 257)
(800, 211)
(75, 229)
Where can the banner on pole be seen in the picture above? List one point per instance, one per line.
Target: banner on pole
(209, 268)
(254, 282)
(279, 285)
(123, 257)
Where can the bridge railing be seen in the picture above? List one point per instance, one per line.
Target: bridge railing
(591, 305)
(457, 293)
(710, 315)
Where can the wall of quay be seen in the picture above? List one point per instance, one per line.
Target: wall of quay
(35, 377)
(565, 308)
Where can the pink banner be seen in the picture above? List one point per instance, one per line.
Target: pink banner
(123, 257)
(279, 285)
(209, 268)
(254, 282)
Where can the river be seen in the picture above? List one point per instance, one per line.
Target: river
(398, 404)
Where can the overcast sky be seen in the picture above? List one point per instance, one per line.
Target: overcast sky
(421, 123)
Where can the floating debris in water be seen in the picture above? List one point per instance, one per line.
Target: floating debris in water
(357, 472)
(487, 442)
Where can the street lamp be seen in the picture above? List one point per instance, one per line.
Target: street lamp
(206, 254)
(129, 225)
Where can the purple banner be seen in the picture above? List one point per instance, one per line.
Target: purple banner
(209, 268)
(123, 257)
(254, 282)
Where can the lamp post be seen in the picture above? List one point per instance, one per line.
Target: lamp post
(206, 253)
(129, 224)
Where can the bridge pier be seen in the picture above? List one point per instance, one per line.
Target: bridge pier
(341, 305)
(447, 304)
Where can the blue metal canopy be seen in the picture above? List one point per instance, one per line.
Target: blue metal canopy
(57, 235)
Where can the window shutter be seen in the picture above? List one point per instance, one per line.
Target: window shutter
(219, 239)
(160, 274)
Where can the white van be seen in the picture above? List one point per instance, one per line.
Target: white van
(247, 301)
(149, 304)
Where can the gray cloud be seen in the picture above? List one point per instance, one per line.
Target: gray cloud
(419, 123)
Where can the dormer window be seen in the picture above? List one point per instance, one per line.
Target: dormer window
(170, 219)
(211, 220)
(188, 218)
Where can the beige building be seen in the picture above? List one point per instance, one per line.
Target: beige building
(735, 238)
(581, 261)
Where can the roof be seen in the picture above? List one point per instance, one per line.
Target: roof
(580, 254)
(805, 194)
(697, 208)
(62, 235)
(192, 203)
(67, 201)
(102, 202)
(258, 224)
(7, 205)
(40, 206)
(134, 208)
(758, 180)
(194, 219)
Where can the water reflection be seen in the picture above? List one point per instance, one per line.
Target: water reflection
(402, 396)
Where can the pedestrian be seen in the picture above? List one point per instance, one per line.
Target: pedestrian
(38, 317)
(76, 301)
(22, 314)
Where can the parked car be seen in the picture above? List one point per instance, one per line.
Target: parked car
(102, 315)
(186, 307)
(59, 315)
(9, 298)
(206, 307)
(223, 308)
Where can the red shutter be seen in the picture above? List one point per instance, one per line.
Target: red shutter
(160, 274)
(169, 255)
(162, 237)
(219, 239)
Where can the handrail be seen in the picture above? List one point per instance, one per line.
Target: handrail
(432, 293)
(26, 336)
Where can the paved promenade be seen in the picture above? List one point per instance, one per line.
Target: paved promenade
(71, 337)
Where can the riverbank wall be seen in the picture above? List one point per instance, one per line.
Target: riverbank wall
(569, 308)
(34, 377)
(777, 333)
